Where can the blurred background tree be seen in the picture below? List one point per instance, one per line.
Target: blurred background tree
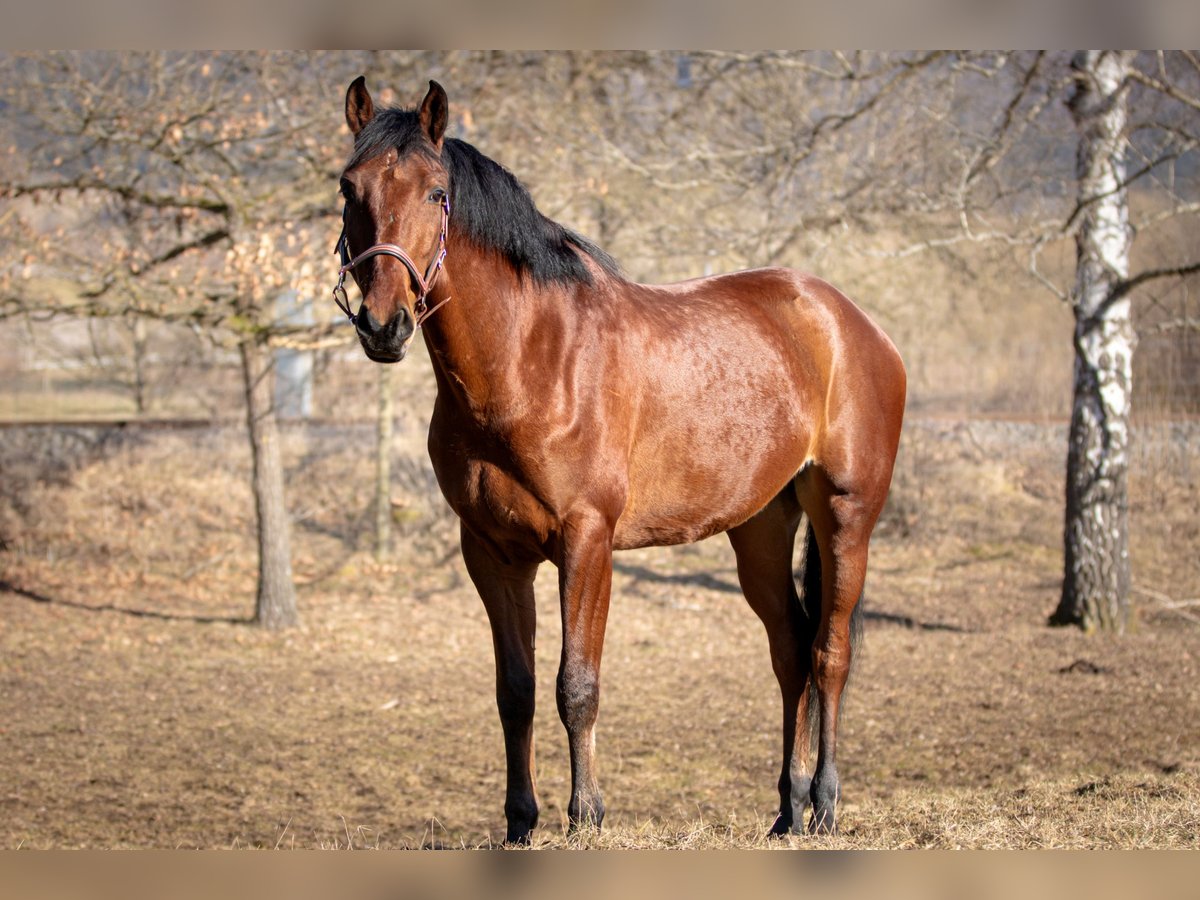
(182, 188)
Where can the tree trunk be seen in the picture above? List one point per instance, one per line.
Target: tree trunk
(140, 346)
(1096, 582)
(383, 465)
(276, 604)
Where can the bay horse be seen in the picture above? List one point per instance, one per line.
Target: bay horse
(579, 413)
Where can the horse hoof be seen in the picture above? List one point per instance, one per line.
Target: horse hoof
(517, 839)
(583, 829)
(784, 826)
(823, 823)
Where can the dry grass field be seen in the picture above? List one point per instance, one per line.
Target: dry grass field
(138, 708)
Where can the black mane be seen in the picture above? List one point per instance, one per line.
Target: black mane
(488, 205)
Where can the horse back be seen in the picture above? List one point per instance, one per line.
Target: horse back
(739, 381)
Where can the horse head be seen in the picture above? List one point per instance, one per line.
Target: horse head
(396, 213)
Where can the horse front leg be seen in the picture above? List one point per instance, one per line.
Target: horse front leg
(585, 582)
(506, 589)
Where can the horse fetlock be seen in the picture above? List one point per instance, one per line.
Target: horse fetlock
(825, 794)
(823, 821)
(799, 799)
(585, 812)
(793, 805)
(521, 814)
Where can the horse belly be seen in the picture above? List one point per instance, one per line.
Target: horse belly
(707, 480)
(724, 422)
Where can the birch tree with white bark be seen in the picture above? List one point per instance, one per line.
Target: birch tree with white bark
(1097, 577)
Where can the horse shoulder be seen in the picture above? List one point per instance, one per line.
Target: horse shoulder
(515, 486)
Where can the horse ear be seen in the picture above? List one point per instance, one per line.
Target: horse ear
(435, 111)
(360, 109)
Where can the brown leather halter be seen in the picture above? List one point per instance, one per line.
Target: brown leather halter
(424, 282)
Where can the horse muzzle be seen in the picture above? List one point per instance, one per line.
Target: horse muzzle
(387, 342)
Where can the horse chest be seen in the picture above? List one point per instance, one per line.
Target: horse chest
(493, 500)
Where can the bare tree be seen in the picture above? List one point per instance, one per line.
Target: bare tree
(1145, 149)
(1097, 577)
(184, 188)
(275, 603)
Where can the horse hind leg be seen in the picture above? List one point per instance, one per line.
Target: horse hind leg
(841, 530)
(763, 547)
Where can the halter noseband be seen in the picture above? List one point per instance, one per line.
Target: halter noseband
(424, 282)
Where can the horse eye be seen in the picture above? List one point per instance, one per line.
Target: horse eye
(437, 195)
(346, 189)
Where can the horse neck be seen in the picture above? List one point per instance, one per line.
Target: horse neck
(475, 339)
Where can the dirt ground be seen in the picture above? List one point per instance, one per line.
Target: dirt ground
(138, 708)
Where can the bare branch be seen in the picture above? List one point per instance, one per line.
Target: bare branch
(1035, 236)
(1183, 323)
(1130, 284)
(312, 337)
(124, 191)
(994, 149)
(1085, 203)
(1166, 87)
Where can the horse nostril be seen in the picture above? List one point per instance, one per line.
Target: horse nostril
(366, 323)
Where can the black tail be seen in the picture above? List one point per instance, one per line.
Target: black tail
(810, 604)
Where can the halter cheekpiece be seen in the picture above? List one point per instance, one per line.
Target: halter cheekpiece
(424, 281)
